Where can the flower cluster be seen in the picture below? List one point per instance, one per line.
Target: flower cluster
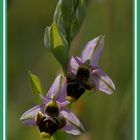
(80, 74)
(83, 74)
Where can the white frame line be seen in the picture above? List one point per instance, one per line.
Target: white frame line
(135, 69)
(4, 69)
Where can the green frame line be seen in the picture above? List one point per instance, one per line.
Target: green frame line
(138, 69)
(133, 70)
(1, 69)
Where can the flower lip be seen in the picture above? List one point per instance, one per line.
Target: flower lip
(77, 84)
(83, 73)
(48, 125)
(74, 90)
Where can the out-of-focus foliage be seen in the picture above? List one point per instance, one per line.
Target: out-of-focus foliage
(104, 117)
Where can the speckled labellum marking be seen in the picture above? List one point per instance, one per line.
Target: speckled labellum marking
(76, 85)
(49, 125)
(75, 89)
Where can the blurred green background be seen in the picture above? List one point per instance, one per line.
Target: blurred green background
(104, 117)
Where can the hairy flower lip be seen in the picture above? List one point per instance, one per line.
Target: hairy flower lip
(47, 129)
(48, 124)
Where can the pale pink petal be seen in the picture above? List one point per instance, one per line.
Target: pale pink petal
(73, 125)
(93, 50)
(74, 64)
(102, 81)
(29, 116)
(58, 89)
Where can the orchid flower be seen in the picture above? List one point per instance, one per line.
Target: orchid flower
(84, 72)
(52, 115)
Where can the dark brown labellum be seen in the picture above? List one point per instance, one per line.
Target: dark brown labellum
(82, 73)
(76, 85)
(75, 89)
(48, 125)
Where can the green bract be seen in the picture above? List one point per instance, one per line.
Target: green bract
(78, 16)
(36, 87)
(69, 16)
(57, 45)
